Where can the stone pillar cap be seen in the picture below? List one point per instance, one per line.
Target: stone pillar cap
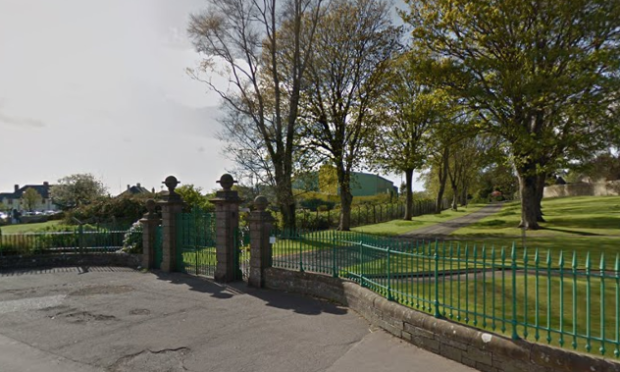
(226, 181)
(261, 202)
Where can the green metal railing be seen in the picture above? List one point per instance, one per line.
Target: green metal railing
(362, 215)
(542, 296)
(196, 243)
(80, 240)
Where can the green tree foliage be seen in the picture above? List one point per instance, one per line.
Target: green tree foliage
(345, 77)
(122, 211)
(263, 93)
(30, 198)
(467, 158)
(409, 110)
(543, 75)
(195, 199)
(77, 190)
(605, 166)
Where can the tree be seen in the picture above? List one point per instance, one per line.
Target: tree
(76, 190)
(354, 43)
(409, 110)
(194, 199)
(467, 158)
(543, 75)
(30, 198)
(243, 37)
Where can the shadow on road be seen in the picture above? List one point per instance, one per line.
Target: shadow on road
(293, 302)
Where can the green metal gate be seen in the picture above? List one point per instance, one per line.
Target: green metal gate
(159, 248)
(242, 253)
(196, 243)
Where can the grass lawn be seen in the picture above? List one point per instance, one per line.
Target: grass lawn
(27, 227)
(398, 227)
(583, 216)
(487, 302)
(577, 224)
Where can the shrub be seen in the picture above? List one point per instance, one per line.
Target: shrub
(15, 245)
(314, 204)
(122, 210)
(132, 241)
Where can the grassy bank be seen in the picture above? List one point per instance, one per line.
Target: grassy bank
(398, 227)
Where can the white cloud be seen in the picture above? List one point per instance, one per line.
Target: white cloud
(104, 83)
(21, 121)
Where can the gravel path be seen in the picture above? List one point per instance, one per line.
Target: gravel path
(443, 229)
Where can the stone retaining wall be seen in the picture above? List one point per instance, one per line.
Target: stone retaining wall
(608, 188)
(478, 349)
(56, 260)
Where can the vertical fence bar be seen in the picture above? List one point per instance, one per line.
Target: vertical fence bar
(361, 254)
(458, 284)
(525, 285)
(436, 272)
(549, 296)
(503, 258)
(389, 275)
(334, 262)
(602, 268)
(466, 283)
(574, 288)
(561, 264)
(617, 277)
(513, 267)
(475, 322)
(588, 328)
(445, 274)
(301, 248)
(484, 286)
(536, 296)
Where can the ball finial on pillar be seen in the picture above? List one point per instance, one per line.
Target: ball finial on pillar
(227, 182)
(171, 183)
(260, 203)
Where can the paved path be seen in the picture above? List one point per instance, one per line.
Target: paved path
(444, 229)
(119, 320)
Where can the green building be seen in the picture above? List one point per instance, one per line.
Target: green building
(362, 184)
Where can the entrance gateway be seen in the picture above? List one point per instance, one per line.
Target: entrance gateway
(209, 244)
(196, 245)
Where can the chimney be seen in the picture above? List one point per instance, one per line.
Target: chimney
(16, 188)
(128, 187)
(46, 184)
(138, 184)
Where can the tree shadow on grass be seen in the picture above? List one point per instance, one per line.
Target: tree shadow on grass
(582, 233)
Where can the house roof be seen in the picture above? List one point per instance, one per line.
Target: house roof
(43, 190)
(135, 190)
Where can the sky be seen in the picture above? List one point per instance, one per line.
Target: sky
(93, 86)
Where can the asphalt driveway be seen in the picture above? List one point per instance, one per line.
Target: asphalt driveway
(121, 320)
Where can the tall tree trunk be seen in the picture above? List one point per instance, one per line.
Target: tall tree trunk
(443, 176)
(455, 196)
(540, 189)
(529, 200)
(344, 182)
(464, 200)
(409, 193)
(285, 199)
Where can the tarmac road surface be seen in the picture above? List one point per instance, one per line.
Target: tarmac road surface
(120, 320)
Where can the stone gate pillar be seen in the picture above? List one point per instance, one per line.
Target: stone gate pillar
(226, 204)
(260, 222)
(149, 222)
(170, 207)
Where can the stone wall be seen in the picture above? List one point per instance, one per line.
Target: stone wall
(478, 349)
(609, 188)
(57, 260)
